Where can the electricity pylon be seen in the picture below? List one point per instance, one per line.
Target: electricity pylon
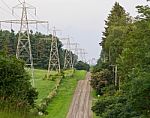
(54, 62)
(24, 45)
(24, 50)
(68, 62)
(82, 55)
(76, 52)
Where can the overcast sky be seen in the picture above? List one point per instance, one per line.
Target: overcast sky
(83, 20)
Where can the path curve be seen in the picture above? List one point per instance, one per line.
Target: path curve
(81, 103)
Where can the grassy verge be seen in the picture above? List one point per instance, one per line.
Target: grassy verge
(44, 87)
(68, 72)
(59, 106)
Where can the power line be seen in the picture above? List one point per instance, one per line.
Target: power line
(36, 17)
(6, 4)
(5, 10)
(15, 15)
(20, 1)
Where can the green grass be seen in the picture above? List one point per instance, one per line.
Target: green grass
(59, 106)
(44, 87)
(68, 72)
(15, 114)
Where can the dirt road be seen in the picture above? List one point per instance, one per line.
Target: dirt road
(81, 103)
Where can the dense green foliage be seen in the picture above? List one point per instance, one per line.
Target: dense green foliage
(39, 44)
(82, 66)
(16, 91)
(125, 45)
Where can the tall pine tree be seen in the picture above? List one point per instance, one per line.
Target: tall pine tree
(114, 31)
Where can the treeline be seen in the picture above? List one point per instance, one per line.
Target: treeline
(82, 66)
(122, 74)
(39, 44)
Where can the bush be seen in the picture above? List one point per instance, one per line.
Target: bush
(15, 86)
(101, 79)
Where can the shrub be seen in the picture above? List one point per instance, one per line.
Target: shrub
(15, 87)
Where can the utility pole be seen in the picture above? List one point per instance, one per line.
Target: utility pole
(54, 62)
(116, 76)
(24, 50)
(115, 69)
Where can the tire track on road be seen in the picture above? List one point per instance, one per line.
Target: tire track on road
(81, 103)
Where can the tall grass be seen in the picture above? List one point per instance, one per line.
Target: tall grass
(43, 86)
(15, 114)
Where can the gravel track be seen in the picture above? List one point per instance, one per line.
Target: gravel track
(81, 103)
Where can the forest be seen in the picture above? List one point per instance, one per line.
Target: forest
(121, 77)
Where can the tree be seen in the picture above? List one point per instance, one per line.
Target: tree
(132, 100)
(117, 28)
(82, 66)
(16, 91)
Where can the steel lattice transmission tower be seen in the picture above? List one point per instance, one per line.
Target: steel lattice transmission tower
(54, 62)
(68, 62)
(24, 50)
(82, 55)
(24, 45)
(76, 52)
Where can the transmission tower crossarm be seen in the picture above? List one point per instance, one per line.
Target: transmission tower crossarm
(19, 21)
(70, 43)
